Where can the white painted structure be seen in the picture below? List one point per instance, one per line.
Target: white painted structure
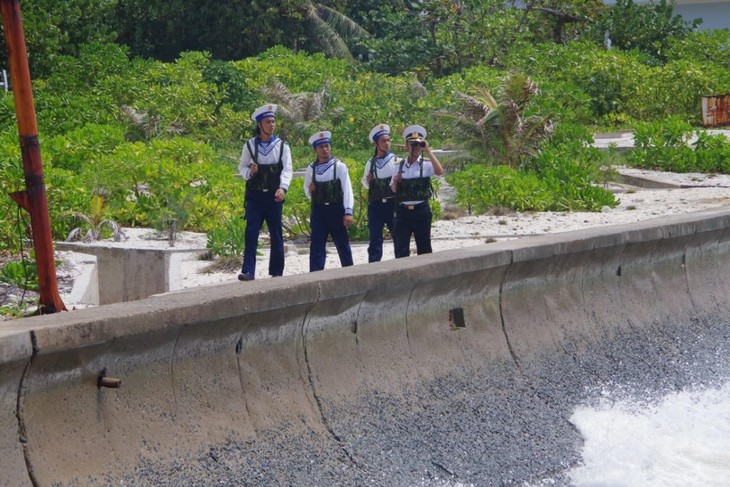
(715, 14)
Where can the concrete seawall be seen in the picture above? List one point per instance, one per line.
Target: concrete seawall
(461, 366)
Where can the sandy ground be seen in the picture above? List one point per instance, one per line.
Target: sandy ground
(707, 191)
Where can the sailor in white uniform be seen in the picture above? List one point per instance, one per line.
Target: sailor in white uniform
(327, 185)
(266, 166)
(381, 200)
(412, 186)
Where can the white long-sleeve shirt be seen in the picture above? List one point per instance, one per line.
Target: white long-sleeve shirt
(268, 154)
(411, 171)
(326, 172)
(386, 166)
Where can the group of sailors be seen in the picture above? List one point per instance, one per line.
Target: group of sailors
(399, 190)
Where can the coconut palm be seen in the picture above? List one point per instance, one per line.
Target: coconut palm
(95, 220)
(330, 29)
(301, 110)
(499, 128)
(143, 126)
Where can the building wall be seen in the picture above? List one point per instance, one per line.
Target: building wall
(715, 14)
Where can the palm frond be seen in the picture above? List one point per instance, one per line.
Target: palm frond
(276, 91)
(331, 29)
(340, 23)
(497, 126)
(326, 36)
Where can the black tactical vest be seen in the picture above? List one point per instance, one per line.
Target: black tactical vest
(327, 191)
(414, 189)
(268, 176)
(379, 187)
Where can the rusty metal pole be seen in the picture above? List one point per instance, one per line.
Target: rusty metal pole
(33, 199)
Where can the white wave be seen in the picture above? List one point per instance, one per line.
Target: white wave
(682, 441)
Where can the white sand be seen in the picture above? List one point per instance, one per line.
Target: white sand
(636, 205)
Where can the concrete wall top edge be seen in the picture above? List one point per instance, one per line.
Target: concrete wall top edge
(408, 272)
(610, 236)
(94, 248)
(93, 326)
(14, 345)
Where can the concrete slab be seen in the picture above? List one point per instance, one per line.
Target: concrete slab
(126, 274)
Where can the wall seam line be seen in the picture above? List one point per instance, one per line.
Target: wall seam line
(22, 430)
(501, 314)
(312, 387)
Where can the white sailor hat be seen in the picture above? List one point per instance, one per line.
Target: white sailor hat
(378, 130)
(414, 132)
(320, 138)
(263, 111)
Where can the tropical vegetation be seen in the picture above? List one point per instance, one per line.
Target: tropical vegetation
(148, 103)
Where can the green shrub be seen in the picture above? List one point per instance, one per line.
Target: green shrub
(560, 178)
(666, 146)
(20, 273)
(663, 145)
(712, 153)
(228, 240)
(85, 145)
(706, 47)
(481, 188)
(608, 77)
(675, 90)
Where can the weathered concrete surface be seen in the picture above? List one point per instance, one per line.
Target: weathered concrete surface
(357, 376)
(15, 353)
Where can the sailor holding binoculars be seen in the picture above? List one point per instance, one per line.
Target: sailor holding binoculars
(412, 187)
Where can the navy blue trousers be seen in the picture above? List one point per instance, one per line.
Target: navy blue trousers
(261, 207)
(326, 220)
(380, 215)
(412, 220)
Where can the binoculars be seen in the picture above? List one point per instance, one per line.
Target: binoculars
(418, 143)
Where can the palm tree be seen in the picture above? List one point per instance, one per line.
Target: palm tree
(95, 220)
(143, 126)
(330, 29)
(302, 110)
(499, 128)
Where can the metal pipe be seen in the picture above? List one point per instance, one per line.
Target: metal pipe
(33, 199)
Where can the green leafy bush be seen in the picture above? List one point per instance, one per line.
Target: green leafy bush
(675, 90)
(20, 273)
(608, 77)
(229, 239)
(560, 178)
(85, 145)
(645, 28)
(706, 47)
(667, 146)
(483, 187)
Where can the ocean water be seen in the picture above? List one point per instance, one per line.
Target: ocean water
(683, 440)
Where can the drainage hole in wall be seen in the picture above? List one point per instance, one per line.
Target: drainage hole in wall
(456, 319)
